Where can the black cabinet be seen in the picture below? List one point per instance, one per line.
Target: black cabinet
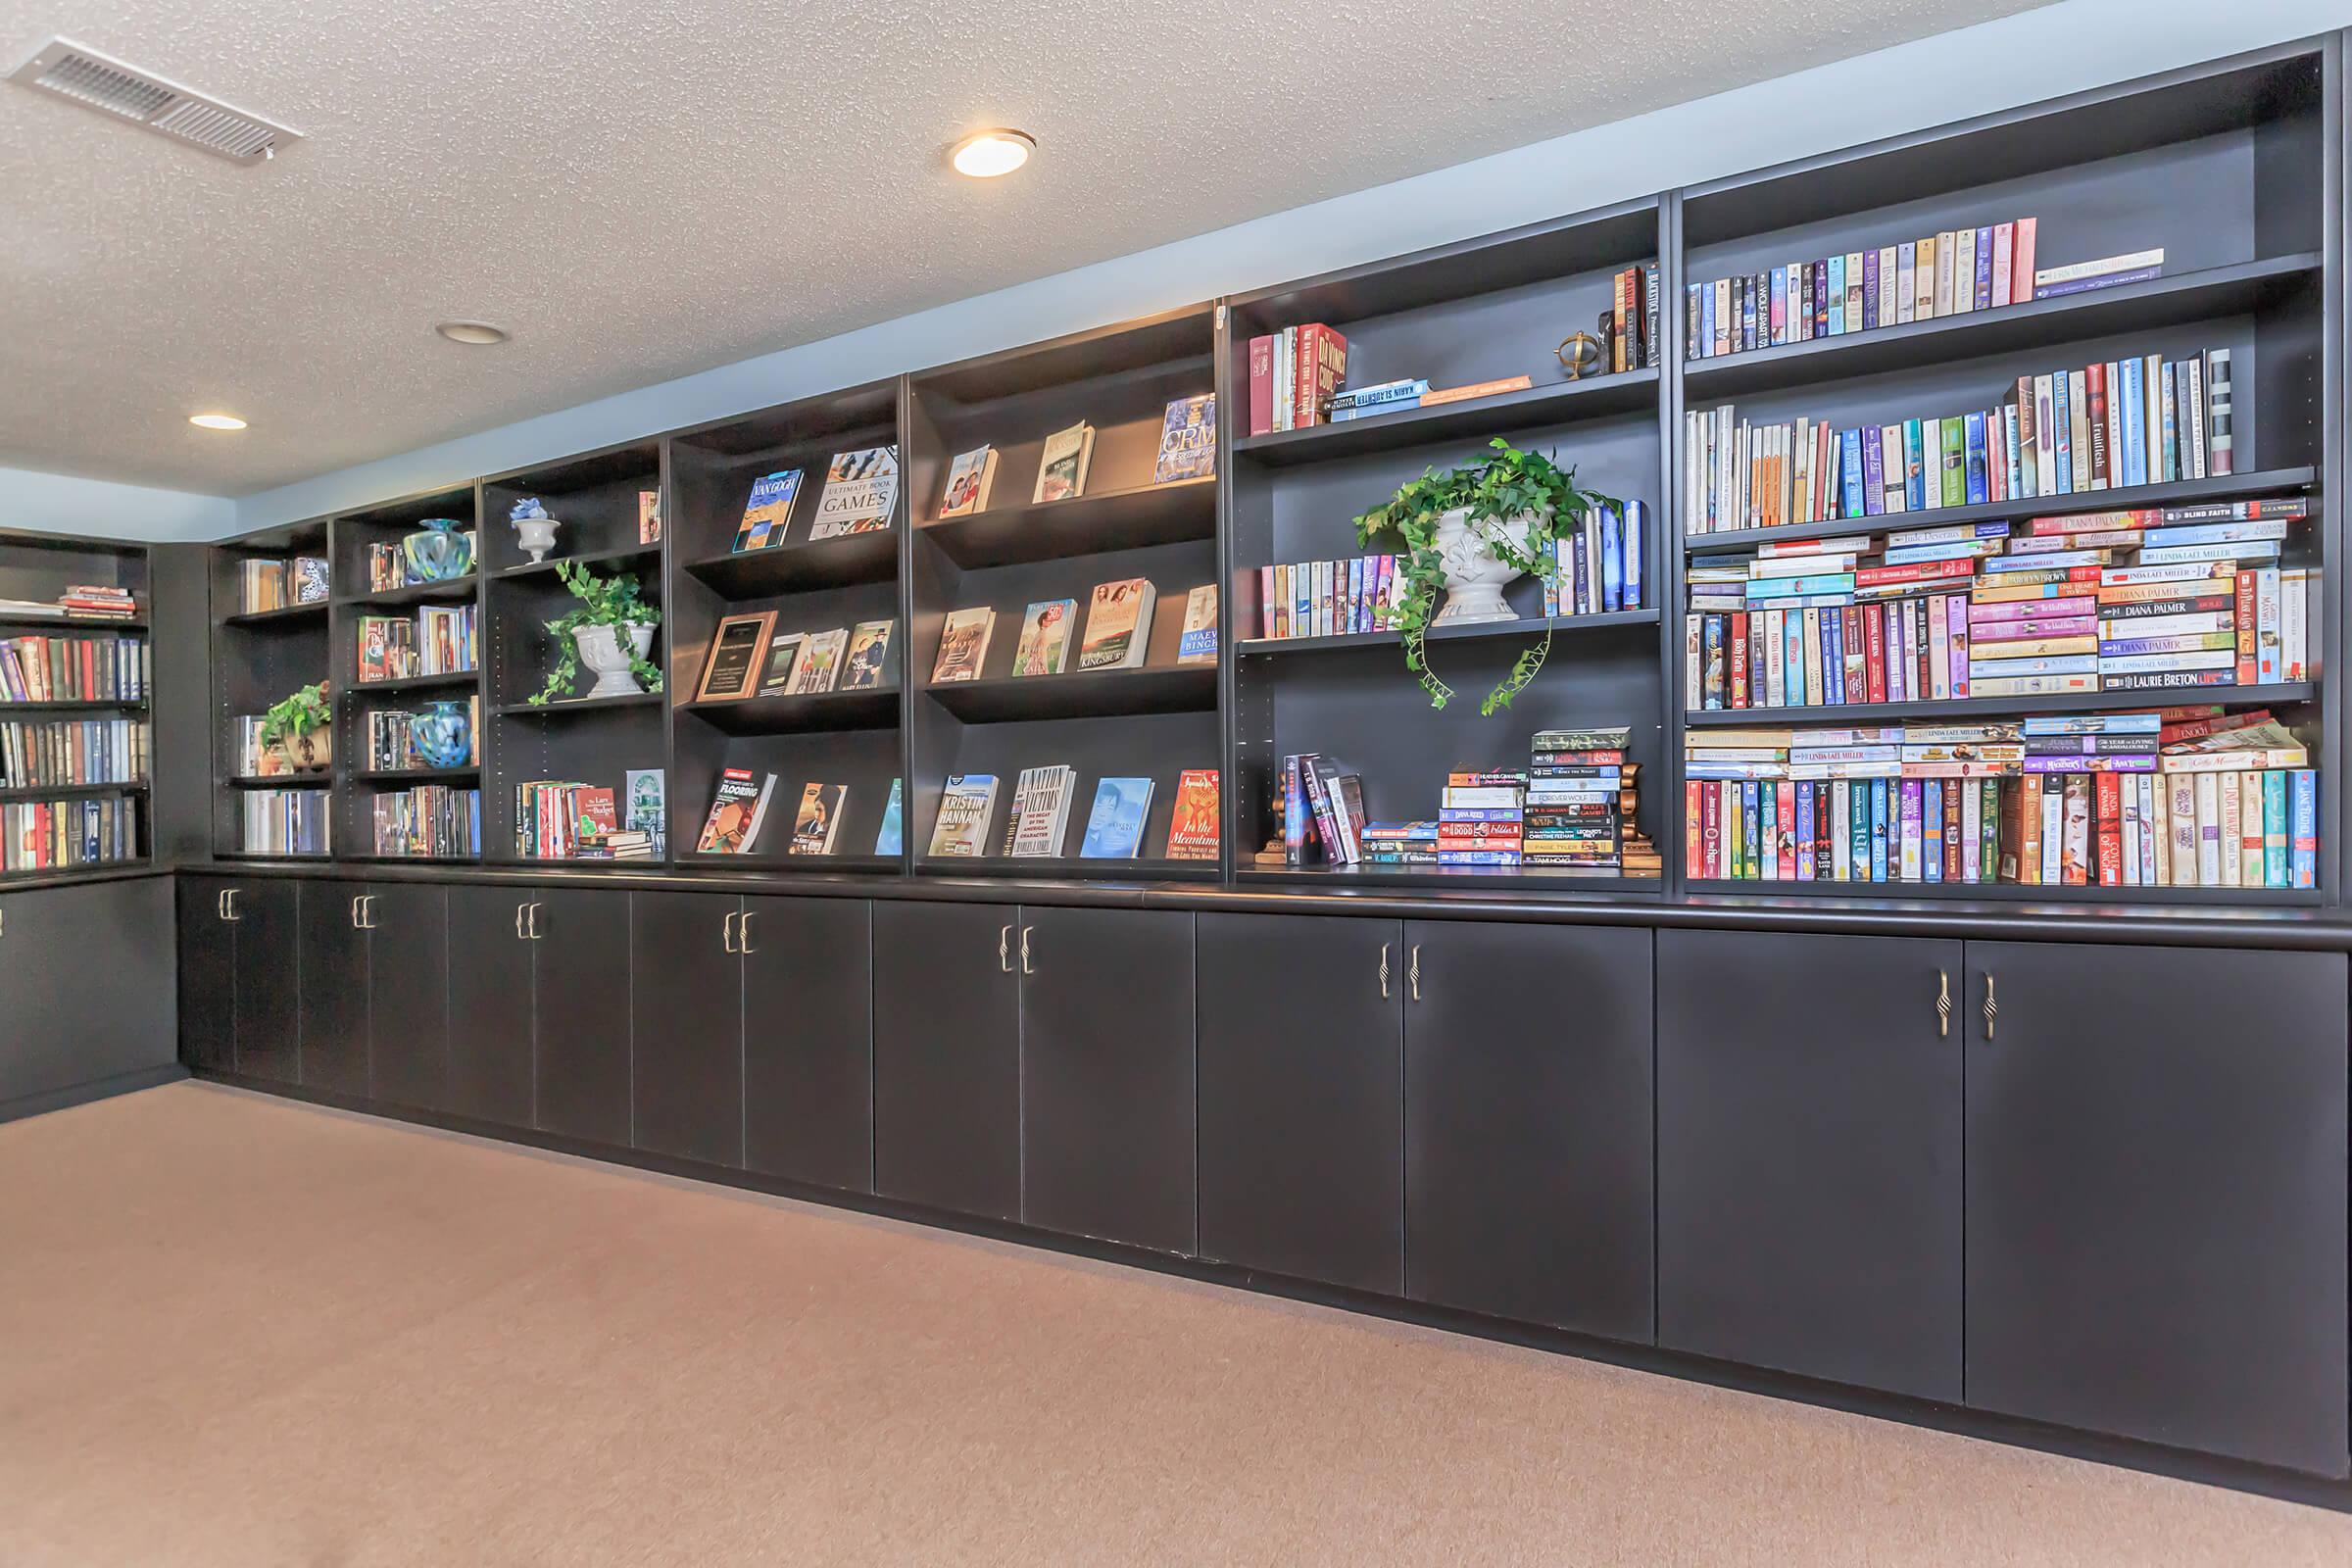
(1527, 1122)
(2156, 1194)
(1107, 1136)
(85, 987)
(580, 953)
(1302, 1044)
(208, 974)
(268, 916)
(333, 988)
(491, 1027)
(407, 928)
(686, 1005)
(807, 1039)
(948, 1056)
(1809, 1139)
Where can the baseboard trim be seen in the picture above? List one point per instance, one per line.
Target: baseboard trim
(124, 1083)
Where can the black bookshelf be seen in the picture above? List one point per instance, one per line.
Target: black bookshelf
(261, 657)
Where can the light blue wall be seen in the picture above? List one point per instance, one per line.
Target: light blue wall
(2040, 54)
(56, 503)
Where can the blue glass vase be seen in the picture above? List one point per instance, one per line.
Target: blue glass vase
(443, 735)
(437, 552)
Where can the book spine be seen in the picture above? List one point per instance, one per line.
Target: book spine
(2220, 455)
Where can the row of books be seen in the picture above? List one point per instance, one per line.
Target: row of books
(568, 820)
(2123, 422)
(750, 657)
(78, 602)
(58, 835)
(266, 584)
(1039, 821)
(1188, 450)
(2178, 597)
(84, 751)
(283, 821)
(1599, 568)
(438, 641)
(1328, 598)
(739, 812)
(388, 565)
(390, 748)
(428, 820)
(860, 489)
(2191, 796)
(1948, 274)
(1118, 633)
(72, 669)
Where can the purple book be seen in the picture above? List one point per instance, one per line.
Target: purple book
(1874, 458)
(1911, 839)
(2083, 285)
(1983, 269)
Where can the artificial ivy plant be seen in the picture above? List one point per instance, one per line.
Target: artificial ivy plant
(1494, 489)
(615, 602)
(298, 715)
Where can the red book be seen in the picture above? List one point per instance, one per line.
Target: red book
(1921, 571)
(2021, 263)
(1735, 654)
(1322, 365)
(2110, 827)
(1261, 384)
(2249, 640)
(1874, 650)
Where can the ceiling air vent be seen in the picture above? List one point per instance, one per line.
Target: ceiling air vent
(101, 81)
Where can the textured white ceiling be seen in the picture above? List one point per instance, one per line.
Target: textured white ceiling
(640, 189)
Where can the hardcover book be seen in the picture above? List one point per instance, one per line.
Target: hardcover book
(732, 671)
(782, 653)
(1118, 625)
(768, 510)
(1114, 828)
(1040, 811)
(818, 822)
(962, 645)
(969, 478)
(965, 808)
(1045, 645)
(861, 488)
(869, 655)
(1192, 828)
(1187, 441)
(889, 841)
(818, 668)
(1198, 644)
(1061, 467)
(738, 809)
(309, 579)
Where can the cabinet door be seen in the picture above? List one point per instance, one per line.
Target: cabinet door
(948, 1056)
(86, 978)
(1108, 1140)
(2156, 1196)
(1809, 1155)
(333, 988)
(268, 912)
(809, 1040)
(408, 993)
(1301, 1095)
(490, 1004)
(1528, 1054)
(686, 1004)
(580, 1028)
(208, 975)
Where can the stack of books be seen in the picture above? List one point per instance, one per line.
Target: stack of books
(1400, 846)
(1328, 598)
(1322, 811)
(440, 641)
(1359, 403)
(98, 603)
(1599, 568)
(73, 751)
(1948, 274)
(1293, 375)
(1576, 783)
(1482, 816)
(562, 821)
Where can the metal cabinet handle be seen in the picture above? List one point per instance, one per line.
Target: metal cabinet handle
(221, 903)
(518, 909)
(233, 915)
(1412, 973)
(533, 925)
(1004, 949)
(1944, 1005)
(726, 933)
(743, 933)
(1383, 971)
(355, 914)
(1990, 1006)
(368, 910)
(1025, 965)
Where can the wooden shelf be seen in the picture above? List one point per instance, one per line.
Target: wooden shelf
(1553, 883)
(840, 562)
(18, 625)
(283, 781)
(1532, 625)
(1080, 693)
(66, 792)
(586, 557)
(402, 776)
(2162, 302)
(870, 709)
(569, 705)
(799, 865)
(451, 590)
(2181, 493)
(1594, 398)
(413, 683)
(315, 610)
(1063, 867)
(1954, 711)
(91, 704)
(1083, 525)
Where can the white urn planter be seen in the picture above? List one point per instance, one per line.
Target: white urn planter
(535, 536)
(1475, 577)
(601, 651)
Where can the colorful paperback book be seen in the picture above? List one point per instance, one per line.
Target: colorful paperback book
(767, 513)
(1187, 440)
(1192, 827)
(1114, 828)
(1043, 648)
(1199, 643)
(969, 478)
(962, 645)
(819, 821)
(1118, 625)
(783, 653)
(965, 806)
(891, 838)
(861, 488)
(869, 652)
(1042, 811)
(818, 668)
(645, 790)
(1062, 467)
(738, 809)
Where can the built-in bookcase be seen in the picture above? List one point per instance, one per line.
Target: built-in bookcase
(1155, 721)
(846, 738)
(1460, 314)
(258, 659)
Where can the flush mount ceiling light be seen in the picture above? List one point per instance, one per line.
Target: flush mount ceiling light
(216, 421)
(992, 153)
(472, 332)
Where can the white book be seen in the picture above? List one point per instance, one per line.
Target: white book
(1964, 273)
(2129, 261)
(2209, 829)
(2157, 801)
(2234, 870)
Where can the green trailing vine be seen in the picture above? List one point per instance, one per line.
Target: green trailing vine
(298, 715)
(1494, 489)
(615, 602)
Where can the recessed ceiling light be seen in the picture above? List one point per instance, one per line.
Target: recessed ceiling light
(472, 332)
(992, 153)
(217, 421)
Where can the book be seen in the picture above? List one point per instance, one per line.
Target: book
(860, 489)
(1061, 466)
(1118, 625)
(1192, 826)
(969, 477)
(645, 796)
(818, 668)
(965, 805)
(768, 512)
(1479, 389)
(732, 670)
(738, 811)
(310, 580)
(1187, 440)
(1199, 643)
(649, 517)
(783, 652)
(869, 654)
(890, 841)
(818, 823)
(1114, 828)
(962, 645)
(1040, 811)
(1043, 648)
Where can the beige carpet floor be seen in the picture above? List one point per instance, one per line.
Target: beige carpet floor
(244, 1333)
